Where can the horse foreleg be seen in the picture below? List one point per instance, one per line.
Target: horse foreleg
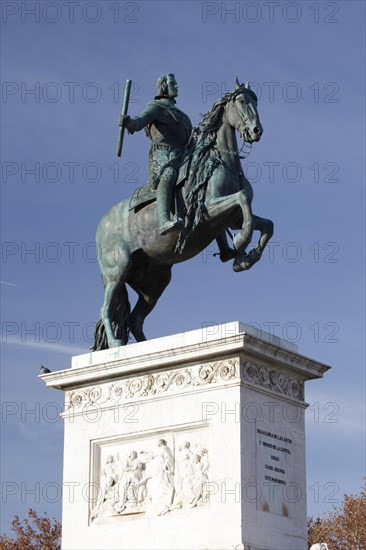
(220, 206)
(266, 229)
(226, 253)
(245, 261)
(149, 291)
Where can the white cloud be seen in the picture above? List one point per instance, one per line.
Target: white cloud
(66, 349)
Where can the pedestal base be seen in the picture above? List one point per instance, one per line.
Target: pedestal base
(193, 441)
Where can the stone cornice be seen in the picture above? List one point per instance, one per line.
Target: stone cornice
(182, 351)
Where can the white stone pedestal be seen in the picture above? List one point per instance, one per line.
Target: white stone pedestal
(192, 441)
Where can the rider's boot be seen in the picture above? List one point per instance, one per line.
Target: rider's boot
(164, 195)
(226, 253)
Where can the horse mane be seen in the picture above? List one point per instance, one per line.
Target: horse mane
(211, 120)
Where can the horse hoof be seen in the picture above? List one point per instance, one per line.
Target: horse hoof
(254, 255)
(242, 263)
(237, 267)
(117, 343)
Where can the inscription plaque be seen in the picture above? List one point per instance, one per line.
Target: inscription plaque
(276, 489)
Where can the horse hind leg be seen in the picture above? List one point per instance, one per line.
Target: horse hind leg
(149, 291)
(113, 327)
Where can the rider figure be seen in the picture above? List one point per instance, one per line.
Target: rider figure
(169, 130)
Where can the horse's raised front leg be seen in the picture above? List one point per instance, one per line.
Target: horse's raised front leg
(266, 229)
(221, 206)
(149, 290)
(245, 261)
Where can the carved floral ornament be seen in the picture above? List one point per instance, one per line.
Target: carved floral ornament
(273, 380)
(190, 377)
(154, 384)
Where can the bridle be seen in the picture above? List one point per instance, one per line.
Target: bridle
(243, 121)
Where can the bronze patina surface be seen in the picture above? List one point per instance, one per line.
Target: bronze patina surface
(138, 242)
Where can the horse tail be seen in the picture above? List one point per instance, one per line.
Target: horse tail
(120, 323)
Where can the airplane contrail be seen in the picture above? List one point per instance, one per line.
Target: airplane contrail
(5, 283)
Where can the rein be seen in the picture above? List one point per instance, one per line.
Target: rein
(247, 152)
(237, 153)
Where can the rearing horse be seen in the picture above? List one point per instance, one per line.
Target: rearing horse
(214, 197)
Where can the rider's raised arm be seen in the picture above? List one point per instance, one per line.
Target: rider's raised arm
(149, 114)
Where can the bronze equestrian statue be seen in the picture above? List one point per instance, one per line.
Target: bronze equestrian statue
(138, 242)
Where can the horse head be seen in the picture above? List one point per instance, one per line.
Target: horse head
(242, 113)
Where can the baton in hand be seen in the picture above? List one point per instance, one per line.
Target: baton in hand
(124, 113)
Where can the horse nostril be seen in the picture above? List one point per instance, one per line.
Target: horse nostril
(256, 130)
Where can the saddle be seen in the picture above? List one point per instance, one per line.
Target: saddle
(145, 195)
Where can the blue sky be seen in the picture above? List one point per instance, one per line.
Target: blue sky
(306, 62)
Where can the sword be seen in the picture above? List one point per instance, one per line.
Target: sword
(124, 113)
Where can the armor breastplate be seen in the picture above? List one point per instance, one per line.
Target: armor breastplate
(173, 127)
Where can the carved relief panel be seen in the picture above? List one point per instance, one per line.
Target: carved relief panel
(155, 474)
